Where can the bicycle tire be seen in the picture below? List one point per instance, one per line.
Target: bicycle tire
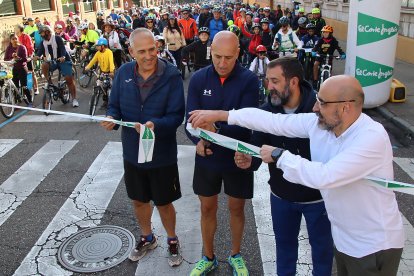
(86, 77)
(94, 100)
(47, 101)
(325, 76)
(306, 67)
(64, 93)
(183, 71)
(25, 99)
(7, 97)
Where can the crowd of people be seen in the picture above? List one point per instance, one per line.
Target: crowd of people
(230, 46)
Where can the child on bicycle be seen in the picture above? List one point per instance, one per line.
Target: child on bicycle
(255, 39)
(326, 45)
(201, 49)
(286, 41)
(105, 59)
(162, 51)
(18, 54)
(259, 64)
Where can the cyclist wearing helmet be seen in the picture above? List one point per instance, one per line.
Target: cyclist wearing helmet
(204, 16)
(326, 45)
(88, 37)
(239, 21)
(301, 13)
(255, 40)
(163, 22)
(150, 25)
(310, 39)
(53, 48)
(71, 29)
(260, 62)
(188, 25)
(201, 49)
(229, 14)
(100, 20)
(105, 59)
(215, 24)
(267, 34)
(286, 40)
(114, 43)
(269, 15)
(318, 21)
(162, 52)
(301, 31)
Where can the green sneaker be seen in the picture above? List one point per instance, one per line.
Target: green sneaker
(238, 265)
(204, 266)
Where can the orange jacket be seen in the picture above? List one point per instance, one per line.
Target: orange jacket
(189, 27)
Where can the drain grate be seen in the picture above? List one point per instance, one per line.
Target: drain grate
(96, 249)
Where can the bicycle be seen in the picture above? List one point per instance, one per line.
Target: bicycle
(103, 85)
(262, 89)
(54, 92)
(85, 78)
(325, 69)
(9, 93)
(307, 62)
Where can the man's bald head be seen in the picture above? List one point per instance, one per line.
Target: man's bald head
(225, 51)
(345, 88)
(225, 38)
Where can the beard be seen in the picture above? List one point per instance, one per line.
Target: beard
(280, 98)
(323, 124)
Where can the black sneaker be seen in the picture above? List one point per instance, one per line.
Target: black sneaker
(142, 248)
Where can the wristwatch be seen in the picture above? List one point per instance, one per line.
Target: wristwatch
(276, 153)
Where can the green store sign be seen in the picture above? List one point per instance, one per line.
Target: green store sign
(372, 29)
(370, 73)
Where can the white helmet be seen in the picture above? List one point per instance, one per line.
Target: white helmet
(83, 26)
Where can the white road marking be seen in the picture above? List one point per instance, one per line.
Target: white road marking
(84, 208)
(187, 227)
(53, 119)
(7, 144)
(22, 183)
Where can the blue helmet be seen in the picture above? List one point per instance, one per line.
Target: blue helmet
(102, 41)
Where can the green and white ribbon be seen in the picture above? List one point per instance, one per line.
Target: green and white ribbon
(224, 141)
(147, 136)
(246, 148)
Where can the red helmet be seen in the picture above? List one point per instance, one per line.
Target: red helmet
(261, 48)
(256, 20)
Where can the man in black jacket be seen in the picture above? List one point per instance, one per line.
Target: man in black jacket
(204, 15)
(290, 93)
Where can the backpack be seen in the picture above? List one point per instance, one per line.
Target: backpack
(279, 38)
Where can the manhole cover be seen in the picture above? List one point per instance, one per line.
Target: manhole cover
(96, 249)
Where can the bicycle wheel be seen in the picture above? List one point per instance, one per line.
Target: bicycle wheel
(183, 70)
(47, 101)
(25, 99)
(306, 67)
(94, 100)
(64, 93)
(86, 77)
(325, 76)
(7, 97)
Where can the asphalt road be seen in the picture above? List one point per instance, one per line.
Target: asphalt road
(20, 232)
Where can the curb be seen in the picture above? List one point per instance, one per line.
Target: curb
(400, 123)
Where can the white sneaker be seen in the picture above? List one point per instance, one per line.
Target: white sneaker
(36, 92)
(75, 103)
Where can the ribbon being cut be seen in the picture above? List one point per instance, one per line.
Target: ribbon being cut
(147, 142)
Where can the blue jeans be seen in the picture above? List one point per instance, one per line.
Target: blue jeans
(286, 218)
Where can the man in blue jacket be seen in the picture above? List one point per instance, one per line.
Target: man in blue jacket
(223, 85)
(150, 91)
(290, 93)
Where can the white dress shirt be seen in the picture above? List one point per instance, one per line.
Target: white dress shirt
(364, 216)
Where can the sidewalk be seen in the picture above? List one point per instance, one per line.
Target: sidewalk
(400, 114)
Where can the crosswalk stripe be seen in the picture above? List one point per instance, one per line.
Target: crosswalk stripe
(187, 227)
(84, 208)
(407, 164)
(22, 183)
(52, 119)
(7, 144)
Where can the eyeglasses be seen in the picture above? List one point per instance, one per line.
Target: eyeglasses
(262, 53)
(322, 102)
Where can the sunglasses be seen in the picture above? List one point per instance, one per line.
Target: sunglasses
(262, 53)
(185, 13)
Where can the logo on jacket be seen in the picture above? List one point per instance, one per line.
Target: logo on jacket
(207, 92)
(127, 81)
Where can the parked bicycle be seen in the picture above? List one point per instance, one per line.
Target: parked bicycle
(9, 93)
(54, 92)
(102, 87)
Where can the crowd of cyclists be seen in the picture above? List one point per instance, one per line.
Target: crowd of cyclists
(183, 35)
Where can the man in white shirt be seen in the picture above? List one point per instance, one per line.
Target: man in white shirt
(346, 146)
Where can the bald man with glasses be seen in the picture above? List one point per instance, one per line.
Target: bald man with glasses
(346, 146)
